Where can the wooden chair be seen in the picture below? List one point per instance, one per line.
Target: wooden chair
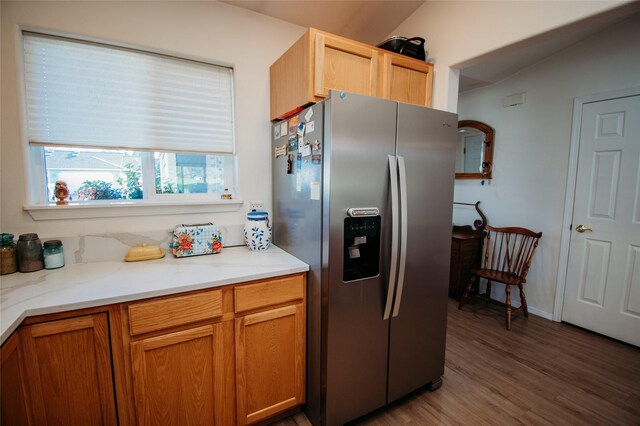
(507, 257)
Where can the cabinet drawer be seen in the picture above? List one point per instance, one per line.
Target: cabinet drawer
(273, 292)
(160, 314)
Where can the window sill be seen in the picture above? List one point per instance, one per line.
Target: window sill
(128, 208)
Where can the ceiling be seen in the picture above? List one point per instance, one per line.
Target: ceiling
(372, 22)
(366, 21)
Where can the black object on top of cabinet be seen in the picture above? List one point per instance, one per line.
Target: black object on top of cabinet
(412, 47)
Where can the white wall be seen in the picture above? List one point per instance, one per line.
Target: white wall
(532, 140)
(459, 31)
(211, 31)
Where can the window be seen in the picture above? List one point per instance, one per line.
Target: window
(122, 124)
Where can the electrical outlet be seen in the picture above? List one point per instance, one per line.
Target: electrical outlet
(256, 205)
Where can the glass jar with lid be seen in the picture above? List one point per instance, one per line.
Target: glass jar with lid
(8, 256)
(53, 254)
(29, 250)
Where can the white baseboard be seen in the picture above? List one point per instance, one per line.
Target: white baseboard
(497, 293)
(538, 312)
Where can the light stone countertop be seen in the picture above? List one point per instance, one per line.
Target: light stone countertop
(85, 285)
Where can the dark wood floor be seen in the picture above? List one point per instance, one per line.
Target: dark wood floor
(539, 373)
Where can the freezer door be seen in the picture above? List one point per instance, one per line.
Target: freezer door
(359, 137)
(297, 221)
(426, 146)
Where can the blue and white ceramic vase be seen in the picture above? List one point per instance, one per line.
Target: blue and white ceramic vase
(257, 232)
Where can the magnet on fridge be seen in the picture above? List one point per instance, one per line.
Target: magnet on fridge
(308, 114)
(293, 124)
(311, 125)
(281, 150)
(316, 158)
(301, 128)
(293, 143)
(299, 160)
(289, 164)
(315, 145)
(306, 149)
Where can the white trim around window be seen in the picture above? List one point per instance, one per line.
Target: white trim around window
(101, 209)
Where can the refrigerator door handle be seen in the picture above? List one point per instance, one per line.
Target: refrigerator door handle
(402, 172)
(393, 175)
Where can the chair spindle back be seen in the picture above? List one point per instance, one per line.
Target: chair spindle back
(510, 250)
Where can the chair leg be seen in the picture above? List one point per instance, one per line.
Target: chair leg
(507, 303)
(523, 300)
(487, 292)
(465, 295)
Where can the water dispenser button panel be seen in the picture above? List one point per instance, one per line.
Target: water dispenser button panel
(361, 247)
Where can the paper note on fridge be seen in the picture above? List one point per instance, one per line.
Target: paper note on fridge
(315, 190)
(281, 150)
(306, 150)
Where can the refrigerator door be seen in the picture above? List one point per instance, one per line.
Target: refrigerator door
(359, 137)
(426, 146)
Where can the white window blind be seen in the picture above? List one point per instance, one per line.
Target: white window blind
(88, 94)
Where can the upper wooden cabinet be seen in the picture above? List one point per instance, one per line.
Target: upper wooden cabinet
(406, 80)
(320, 61)
(345, 64)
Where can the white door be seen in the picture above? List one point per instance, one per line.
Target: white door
(602, 291)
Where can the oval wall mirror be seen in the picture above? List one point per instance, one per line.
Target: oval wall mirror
(474, 152)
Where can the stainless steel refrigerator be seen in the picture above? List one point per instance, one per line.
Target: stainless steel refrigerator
(363, 192)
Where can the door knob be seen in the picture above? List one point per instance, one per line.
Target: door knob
(582, 228)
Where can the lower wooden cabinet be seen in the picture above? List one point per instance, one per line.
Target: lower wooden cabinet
(68, 371)
(270, 362)
(224, 356)
(178, 377)
(13, 395)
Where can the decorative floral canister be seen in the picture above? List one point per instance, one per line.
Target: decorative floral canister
(257, 232)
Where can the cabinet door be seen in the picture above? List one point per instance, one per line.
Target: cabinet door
(407, 80)
(178, 377)
(68, 367)
(13, 409)
(270, 362)
(344, 65)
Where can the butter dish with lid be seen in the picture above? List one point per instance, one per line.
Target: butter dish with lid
(144, 252)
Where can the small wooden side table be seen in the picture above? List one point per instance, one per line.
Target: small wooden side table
(466, 254)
